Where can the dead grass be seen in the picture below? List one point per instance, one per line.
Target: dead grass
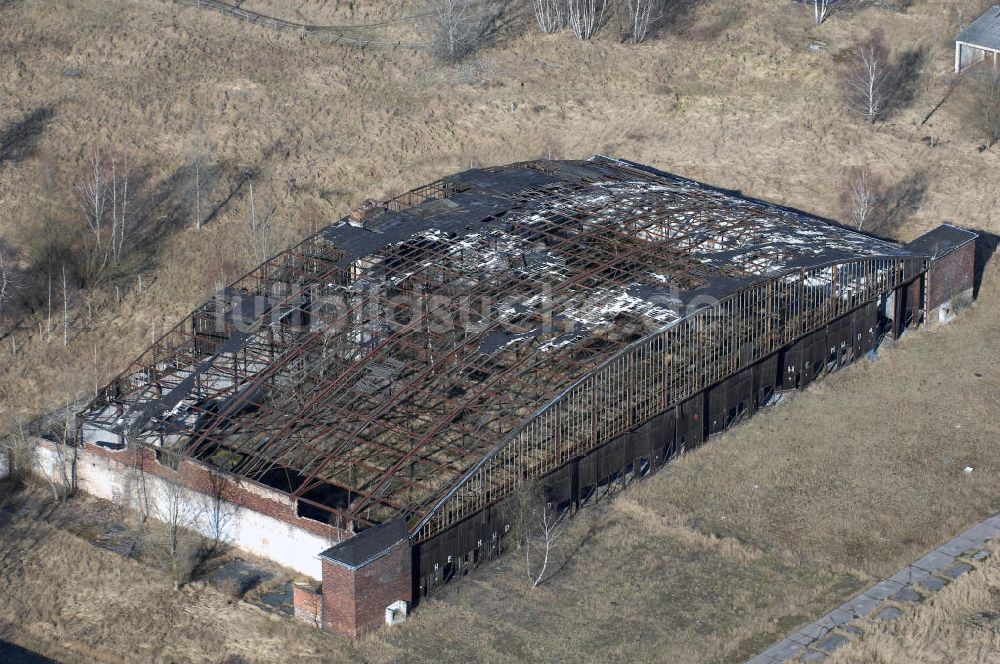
(334, 12)
(71, 601)
(738, 543)
(865, 468)
(635, 589)
(327, 126)
(627, 585)
(959, 624)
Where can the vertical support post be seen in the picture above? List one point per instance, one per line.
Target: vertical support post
(897, 312)
(575, 484)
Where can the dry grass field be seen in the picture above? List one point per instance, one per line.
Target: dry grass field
(958, 625)
(710, 560)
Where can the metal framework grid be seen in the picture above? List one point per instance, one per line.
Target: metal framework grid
(429, 353)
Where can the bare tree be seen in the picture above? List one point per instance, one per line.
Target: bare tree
(220, 512)
(983, 104)
(198, 153)
(863, 193)
(586, 16)
(549, 15)
(119, 204)
(174, 508)
(260, 228)
(135, 493)
(93, 193)
(48, 313)
(21, 453)
(550, 527)
(868, 78)
(452, 17)
(821, 10)
(7, 279)
(27, 460)
(65, 299)
(63, 461)
(461, 26)
(103, 192)
(642, 15)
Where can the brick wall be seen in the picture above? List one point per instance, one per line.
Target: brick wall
(238, 491)
(951, 275)
(354, 600)
(307, 600)
(246, 514)
(339, 606)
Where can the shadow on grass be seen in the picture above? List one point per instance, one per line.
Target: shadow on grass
(19, 139)
(11, 653)
(986, 245)
(571, 553)
(901, 201)
(904, 79)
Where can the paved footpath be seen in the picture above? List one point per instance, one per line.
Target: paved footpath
(816, 641)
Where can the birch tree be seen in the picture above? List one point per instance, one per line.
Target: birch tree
(821, 10)
(260, 228)
(550, 526)
(103, 192)
(93, 192)
(65, 299)
(864, 192)
(868, 77)
(586, 17)
(642, 16)
(62, 480)
(175, 510)
(549, 15)
(7, 283)
(120, 175)
(27, 461)
(452, 16)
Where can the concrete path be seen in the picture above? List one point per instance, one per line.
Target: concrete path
(816, 641)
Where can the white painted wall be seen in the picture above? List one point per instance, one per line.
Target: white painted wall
(241, 527)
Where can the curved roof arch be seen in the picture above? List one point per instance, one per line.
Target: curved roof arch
(893, 270)
(371, 368)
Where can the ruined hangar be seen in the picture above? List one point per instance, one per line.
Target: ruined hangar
(397, 375)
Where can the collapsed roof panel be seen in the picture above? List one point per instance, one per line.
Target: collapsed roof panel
(415, 335)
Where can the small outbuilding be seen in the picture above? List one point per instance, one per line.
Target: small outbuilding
(979, 42)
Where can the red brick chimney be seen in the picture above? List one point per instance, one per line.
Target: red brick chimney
(366, 211)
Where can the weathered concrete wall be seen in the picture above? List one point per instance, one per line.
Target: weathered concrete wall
(4, 464)
(151, 487)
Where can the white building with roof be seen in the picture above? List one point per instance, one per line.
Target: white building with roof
(979, 42)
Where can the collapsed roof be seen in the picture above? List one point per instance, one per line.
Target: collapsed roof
(368, 368)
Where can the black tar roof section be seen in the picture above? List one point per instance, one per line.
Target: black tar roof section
(490, 198)
(942, 240)
(984, 31)
(368, 545)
